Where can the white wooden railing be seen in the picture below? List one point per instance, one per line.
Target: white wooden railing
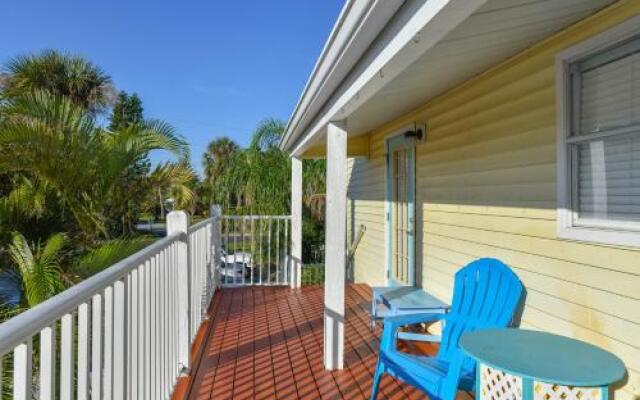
(124, 333)
(255, 250)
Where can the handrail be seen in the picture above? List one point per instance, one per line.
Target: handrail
(354, 246)
(351, 251)
(200, 224)
(256, 216)
(14, 331)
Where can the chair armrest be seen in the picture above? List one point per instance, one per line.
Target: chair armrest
(392, 324)
(401, 320)
(419, 337)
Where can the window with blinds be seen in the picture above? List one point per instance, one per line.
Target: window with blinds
(604, 141)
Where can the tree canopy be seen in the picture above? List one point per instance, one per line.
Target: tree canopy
(257, 180)
(66, 179)
(76, 79)
(127, 111)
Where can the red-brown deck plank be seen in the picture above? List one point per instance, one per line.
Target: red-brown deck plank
(266, 342)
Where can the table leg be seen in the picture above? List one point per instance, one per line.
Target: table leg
(374, 299)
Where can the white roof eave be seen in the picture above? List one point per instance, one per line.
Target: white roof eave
(412, 30)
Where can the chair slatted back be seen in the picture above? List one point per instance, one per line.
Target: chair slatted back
(486, 295)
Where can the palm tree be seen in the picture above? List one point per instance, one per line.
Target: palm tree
(218, 150)
(314, 187)
(59, 143)
(39, 267)
(59, 74)
(257, 179)
(268, 134)
(175, 181)
(221, 155)
(215, 162)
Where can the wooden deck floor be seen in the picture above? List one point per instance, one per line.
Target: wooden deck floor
(266, 343)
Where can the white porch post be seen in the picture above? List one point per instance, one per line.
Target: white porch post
(335, 246)
(296, 222)
(178, 221)
(216, 243)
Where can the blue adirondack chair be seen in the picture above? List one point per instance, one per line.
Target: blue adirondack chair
(486, 295)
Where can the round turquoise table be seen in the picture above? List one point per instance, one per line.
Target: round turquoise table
(519, 364)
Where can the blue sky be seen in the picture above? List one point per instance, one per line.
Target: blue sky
(208, 67)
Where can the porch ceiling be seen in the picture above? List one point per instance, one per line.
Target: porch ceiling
(494, 32)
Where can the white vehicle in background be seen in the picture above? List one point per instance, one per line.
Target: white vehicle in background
(236, 267)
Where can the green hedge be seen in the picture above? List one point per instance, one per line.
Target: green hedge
(313, 274)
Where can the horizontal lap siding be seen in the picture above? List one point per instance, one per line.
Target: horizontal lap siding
(486, 181)
(366, 206)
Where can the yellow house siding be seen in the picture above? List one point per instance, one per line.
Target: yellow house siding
(365, 206)
(486, 186)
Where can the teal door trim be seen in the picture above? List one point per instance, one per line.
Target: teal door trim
(393, 144)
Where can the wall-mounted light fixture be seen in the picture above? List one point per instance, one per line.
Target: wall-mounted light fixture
(418, 133)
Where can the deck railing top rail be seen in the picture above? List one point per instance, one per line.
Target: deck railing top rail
(272, 217)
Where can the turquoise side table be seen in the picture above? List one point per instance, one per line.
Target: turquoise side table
(389, 301)
(522, 364)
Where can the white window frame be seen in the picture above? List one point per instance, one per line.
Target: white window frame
(566, 227)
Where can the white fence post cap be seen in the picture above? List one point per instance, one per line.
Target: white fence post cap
(177, 221)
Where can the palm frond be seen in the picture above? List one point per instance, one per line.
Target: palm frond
(175, 180)
(162, 136)
(41, 276)
(107, 254)
(50, 252)
(21, 253)
(57, 142)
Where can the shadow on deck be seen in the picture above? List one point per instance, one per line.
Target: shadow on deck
(266, 342)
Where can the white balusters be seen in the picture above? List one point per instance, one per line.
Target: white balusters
(132, 383)
(47, 363)
(96, 347)
(83, 352)
(108, 343)
(153, 328)
(262, 261)
(67, 388)
(269, 251)
(278, 276)
(22, 371)
(146, 343)
(119, 339)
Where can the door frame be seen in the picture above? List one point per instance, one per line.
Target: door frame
(392, 142)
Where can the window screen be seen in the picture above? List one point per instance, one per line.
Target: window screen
(605, 138)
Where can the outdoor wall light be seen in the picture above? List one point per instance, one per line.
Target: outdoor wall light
(416, 134)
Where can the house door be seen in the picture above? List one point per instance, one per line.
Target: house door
(400, 207)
